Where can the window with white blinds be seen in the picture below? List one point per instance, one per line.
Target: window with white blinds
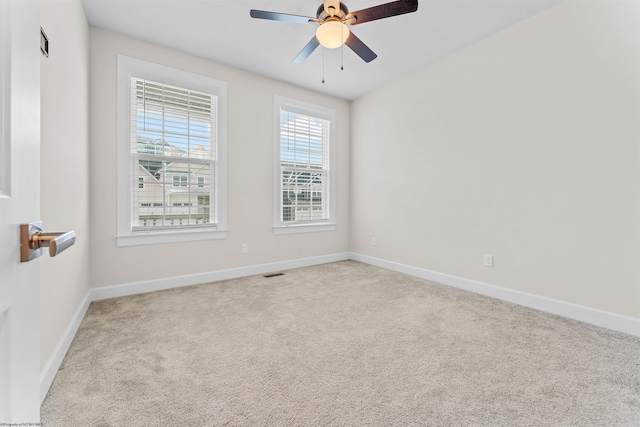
(173, 144)
(174, 154)
(304, 151)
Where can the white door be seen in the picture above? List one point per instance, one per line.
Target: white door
(19, 203)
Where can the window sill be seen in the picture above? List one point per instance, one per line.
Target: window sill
(303, 228)
(160, 237)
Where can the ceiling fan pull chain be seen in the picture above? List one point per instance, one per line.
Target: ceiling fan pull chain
(342, 49)
(322, 65)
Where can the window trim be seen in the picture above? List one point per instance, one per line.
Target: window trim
(131, 67)
(313, 110)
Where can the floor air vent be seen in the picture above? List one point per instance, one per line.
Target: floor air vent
(270, 275)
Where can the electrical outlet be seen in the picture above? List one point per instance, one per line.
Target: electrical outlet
(488, 260)
(245, 248)
(373, 241)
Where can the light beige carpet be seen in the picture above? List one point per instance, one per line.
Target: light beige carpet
(343, 344)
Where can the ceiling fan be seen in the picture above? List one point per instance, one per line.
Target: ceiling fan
(333, 19)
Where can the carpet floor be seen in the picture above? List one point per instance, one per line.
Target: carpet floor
(340, 344)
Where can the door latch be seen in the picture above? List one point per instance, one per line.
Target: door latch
(32, 239)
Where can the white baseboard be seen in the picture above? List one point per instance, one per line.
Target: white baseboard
(115, 291)
(50, 369)
(626, 324)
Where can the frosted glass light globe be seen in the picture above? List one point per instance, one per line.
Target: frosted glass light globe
(332, 34)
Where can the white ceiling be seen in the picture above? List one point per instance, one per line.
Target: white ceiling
(222, 31)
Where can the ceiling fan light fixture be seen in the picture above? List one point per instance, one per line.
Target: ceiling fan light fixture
(331, 17)
(332, 34)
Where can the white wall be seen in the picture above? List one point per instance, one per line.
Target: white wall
(524, 146)
(64, 152)
(250, 174)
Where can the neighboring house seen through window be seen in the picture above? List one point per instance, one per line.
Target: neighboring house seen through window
(175, 154)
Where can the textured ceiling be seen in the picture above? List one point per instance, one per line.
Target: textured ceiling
(222, 31)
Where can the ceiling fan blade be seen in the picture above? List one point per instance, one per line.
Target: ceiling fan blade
(282, 17)
(306, 51)
(381, 11)
(361, 49)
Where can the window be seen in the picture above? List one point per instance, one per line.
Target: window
(304, 181)
(181, 181)
(171, 136)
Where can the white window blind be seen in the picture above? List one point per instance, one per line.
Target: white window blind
(304, 168)
(174, 150)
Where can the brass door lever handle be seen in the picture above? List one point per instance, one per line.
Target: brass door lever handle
(57, 242)
(32, 239)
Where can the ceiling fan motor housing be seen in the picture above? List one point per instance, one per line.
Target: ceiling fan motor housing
(340, 14)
